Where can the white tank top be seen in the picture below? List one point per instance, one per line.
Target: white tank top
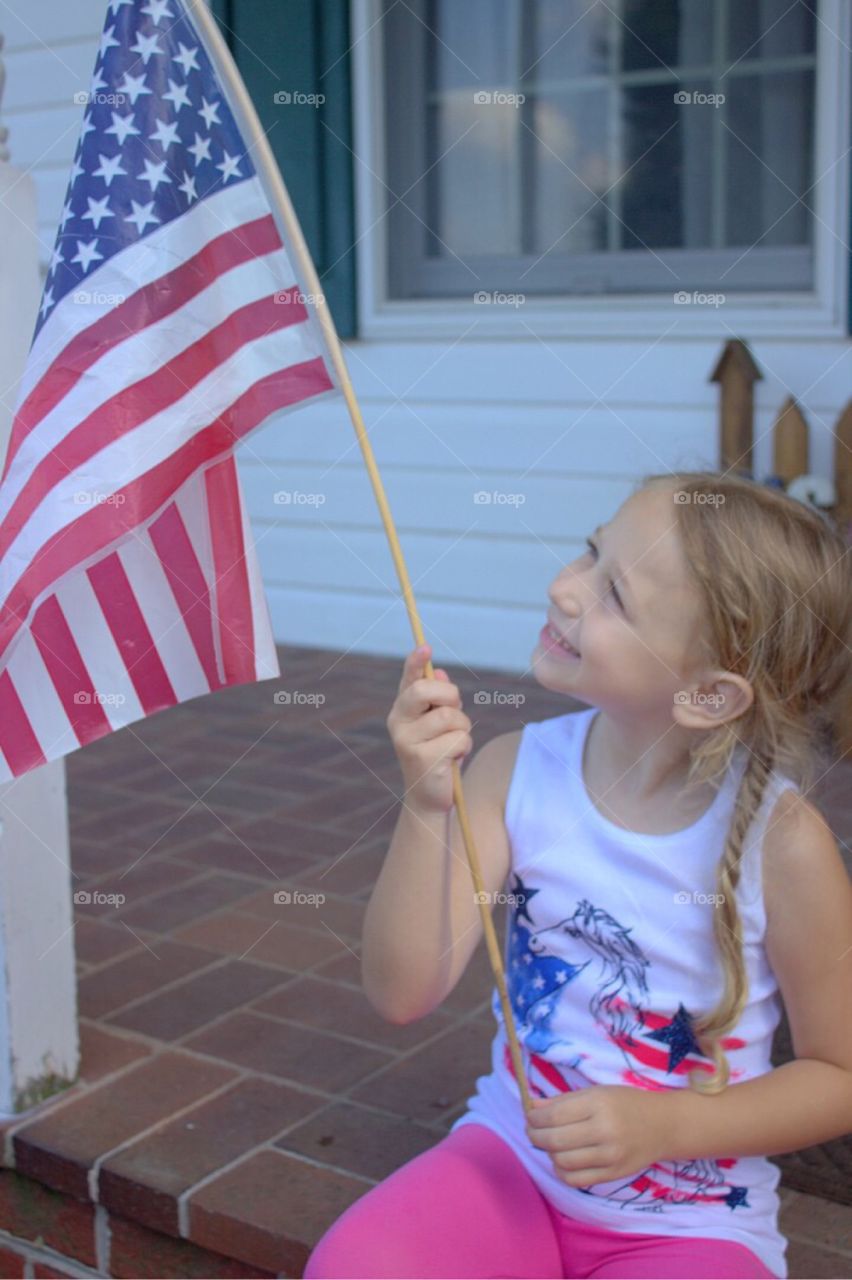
(610, 955)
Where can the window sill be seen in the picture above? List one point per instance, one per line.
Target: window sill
(801, 317)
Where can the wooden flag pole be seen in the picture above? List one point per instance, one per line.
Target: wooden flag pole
(267, 168)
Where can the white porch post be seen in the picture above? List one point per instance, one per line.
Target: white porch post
(39, 1051)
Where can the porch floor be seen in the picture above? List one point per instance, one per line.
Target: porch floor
(236, 1089)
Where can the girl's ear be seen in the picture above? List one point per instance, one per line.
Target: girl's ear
(721, 696)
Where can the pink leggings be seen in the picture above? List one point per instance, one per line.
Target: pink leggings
(468, 1208)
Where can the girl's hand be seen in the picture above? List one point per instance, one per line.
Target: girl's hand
(600, 1133)
(429, 730)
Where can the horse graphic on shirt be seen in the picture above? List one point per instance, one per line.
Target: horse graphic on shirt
(541, 962)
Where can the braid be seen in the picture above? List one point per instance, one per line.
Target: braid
(727, 927)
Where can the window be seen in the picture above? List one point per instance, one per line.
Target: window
(582, 147)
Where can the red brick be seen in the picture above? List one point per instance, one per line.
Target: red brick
(170, 1014)
(273, 942)
(143, 1181)
(139, 1254)
(325, 1006)
(168, 910)
(96, 941)
(147, 878)
(356, 871)
(342, 915)
(229, 853)
(60, 1148)
(360, 1141)
(276, 833)
(35, 1213)
(243, 1211)
(11, 1264)
(295, 1053)
(102, 1052)
(51, 1273)
(137, 975)
(441, 1075)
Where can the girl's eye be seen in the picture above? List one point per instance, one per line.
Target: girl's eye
(593, 549)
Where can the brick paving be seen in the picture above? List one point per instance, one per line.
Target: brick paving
(237, 1090)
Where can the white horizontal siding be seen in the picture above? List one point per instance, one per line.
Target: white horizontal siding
(50, 53)
(568, 426)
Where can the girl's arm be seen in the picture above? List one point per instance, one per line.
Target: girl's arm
(423, 922)
(808, 896)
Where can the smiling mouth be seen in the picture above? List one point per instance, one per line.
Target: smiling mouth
(561, 641)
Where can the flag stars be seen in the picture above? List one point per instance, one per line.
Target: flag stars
(154, 174)
(187, 58)
(109, 168)
(76, 170)
(47, 301)
(64, 216)
(158, 9)
(133, 86)
(87, 253)
(97, 211)
(188, 187)
(97, 84)
(165, 134)
(145, 46)
(141, 215)
(122, 127)
(86, 128)
(200, 149)
(230, 167)
(108, 41)
(56, 259)
(177, 94)
(209, 110)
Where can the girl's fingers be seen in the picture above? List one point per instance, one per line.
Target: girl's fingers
(415, 665)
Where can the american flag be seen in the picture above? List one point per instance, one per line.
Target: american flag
(172, 324)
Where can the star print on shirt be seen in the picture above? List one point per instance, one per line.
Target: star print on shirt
(678, 1035)
(522, 896)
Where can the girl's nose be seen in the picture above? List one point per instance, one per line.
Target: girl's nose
(565, 593)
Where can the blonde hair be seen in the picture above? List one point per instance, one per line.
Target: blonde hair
(774, 577)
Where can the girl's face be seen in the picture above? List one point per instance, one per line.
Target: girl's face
(629, 610)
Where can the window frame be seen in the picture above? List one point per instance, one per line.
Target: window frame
(818, 312)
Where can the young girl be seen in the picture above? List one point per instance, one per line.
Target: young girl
(668, 883)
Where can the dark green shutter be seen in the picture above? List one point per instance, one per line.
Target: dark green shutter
(303, 46)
